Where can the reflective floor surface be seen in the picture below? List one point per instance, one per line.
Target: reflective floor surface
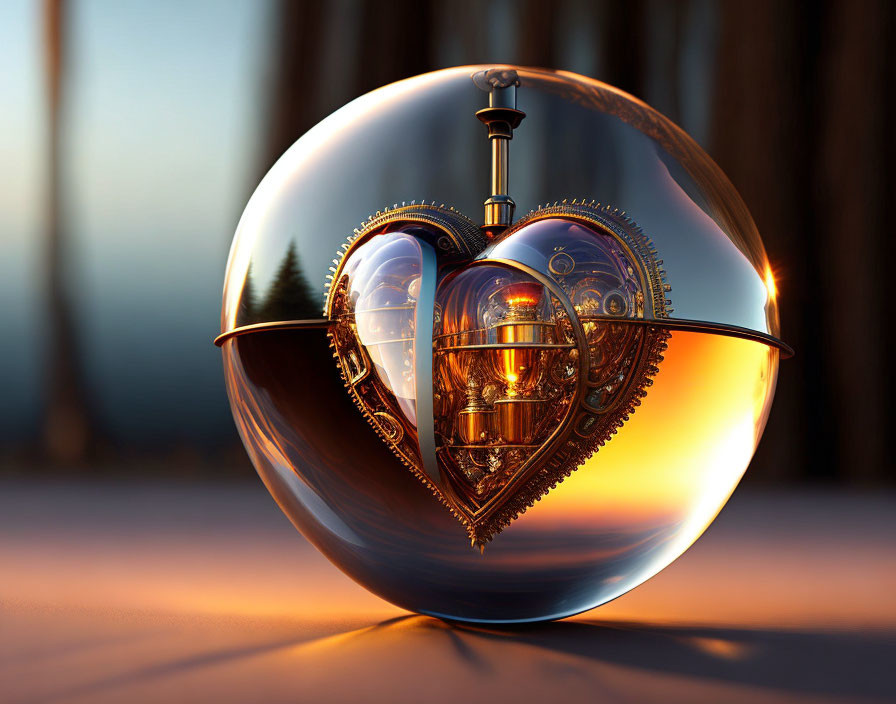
(181, 592)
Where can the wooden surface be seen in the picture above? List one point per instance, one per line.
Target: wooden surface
(195, 593)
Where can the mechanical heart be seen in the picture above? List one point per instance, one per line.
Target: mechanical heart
(495, 369)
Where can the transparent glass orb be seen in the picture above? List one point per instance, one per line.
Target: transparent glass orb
(511, 429)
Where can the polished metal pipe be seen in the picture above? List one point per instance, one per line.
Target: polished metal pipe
(500, 166)
(501, 117)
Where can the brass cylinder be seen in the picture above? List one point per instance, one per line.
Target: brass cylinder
(500, 166)
(516, 419)
(532, 332)
(475, 425)
(499, 211)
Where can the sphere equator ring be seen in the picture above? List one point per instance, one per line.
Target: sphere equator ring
(673, 324)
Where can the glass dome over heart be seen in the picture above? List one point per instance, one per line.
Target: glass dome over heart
(574, 382)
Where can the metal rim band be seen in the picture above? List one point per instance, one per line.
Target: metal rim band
(668, 323)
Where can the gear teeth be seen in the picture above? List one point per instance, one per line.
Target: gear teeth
(543, 482)
(463, 230)
(629, 232)
(624, 227)
(459, 226)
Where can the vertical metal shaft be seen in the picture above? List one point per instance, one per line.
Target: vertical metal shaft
(501, 117)
(499, 207)
(500, 166)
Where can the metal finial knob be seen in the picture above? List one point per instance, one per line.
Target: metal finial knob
(501, 117)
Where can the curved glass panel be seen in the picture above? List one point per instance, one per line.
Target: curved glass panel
(382, 288)
(606, 273)
(373, 306)
(623, 516)
(546, 380)
(419, 139)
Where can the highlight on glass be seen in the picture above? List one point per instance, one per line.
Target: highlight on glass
(488, 417)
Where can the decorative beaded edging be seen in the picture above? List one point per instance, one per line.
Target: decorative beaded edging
(571, 448)
(626, 229)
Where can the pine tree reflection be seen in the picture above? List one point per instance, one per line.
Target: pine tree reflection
(248, 304)
(289, 296)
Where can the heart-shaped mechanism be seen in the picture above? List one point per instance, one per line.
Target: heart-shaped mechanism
(494, 369)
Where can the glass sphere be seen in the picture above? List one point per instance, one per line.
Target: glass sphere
(490, 425)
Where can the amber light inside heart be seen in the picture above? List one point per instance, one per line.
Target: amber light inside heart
(523, 296)
(519, 366)
(499, 395)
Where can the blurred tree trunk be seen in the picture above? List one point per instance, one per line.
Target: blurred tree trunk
(67, 431)
(394, 40)
(802, 92)
(762, 137)
(297, 73)
(800, 104)
(537, 28)
(851, 197)
(623, 28)
(397, 41)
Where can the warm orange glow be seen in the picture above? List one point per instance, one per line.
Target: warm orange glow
(770, 283)
(512, 378)
(722, 648)
(521, 301)
(518, 366)
(525, 294)
(684, 449)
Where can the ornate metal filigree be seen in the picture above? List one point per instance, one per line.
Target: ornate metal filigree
(532, 371)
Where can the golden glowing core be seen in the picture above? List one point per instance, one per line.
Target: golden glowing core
(770, 283)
